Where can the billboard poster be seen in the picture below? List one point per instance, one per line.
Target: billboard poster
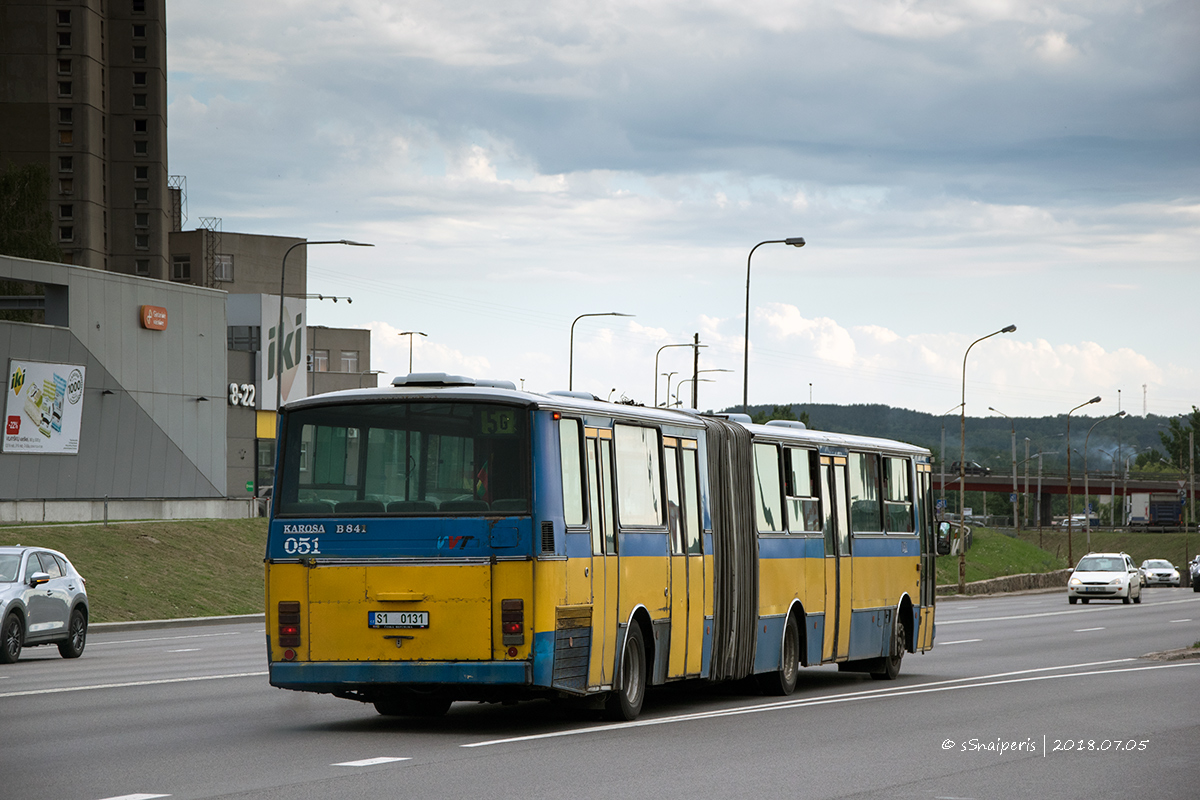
(43, 407)
(293, 369)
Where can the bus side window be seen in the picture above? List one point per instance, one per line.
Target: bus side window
(864, 493)
(691, 503)
(804, 505)
(594, 498)
(767, 489)
(897, 495)
(570, 438)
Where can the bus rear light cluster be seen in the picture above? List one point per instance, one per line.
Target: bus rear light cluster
(289, 624)
(512, 621)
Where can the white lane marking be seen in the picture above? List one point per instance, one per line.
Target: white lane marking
(137, 797)
(876, 694)
(960, 641)
(1094, 609)
(1181, 620)
(1087, 630)
(186, 650)
(63, 689)
(370, 762)
(168, 638)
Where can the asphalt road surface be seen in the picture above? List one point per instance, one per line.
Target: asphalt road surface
(1023, 696)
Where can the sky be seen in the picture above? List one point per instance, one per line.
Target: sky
(954, 167)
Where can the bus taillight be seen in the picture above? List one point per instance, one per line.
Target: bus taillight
(512, 621)
(289, 623)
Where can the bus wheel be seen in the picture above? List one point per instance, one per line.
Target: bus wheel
(625, 702)
(412, 704)
(891, 663)
(782, 682)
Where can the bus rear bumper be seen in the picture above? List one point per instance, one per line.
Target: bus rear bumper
(336, 676)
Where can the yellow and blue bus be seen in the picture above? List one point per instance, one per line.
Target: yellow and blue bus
(448, 539)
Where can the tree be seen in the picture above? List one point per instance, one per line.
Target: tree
(26, 227)
(779, 412)
(1176, 438)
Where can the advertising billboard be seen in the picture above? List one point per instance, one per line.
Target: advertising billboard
(43, 407)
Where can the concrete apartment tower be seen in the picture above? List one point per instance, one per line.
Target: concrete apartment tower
(83, 92)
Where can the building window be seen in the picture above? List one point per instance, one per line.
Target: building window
(181, 267)
(64, 66)
(64, 39)
(65, 137)
(138, 6)
(141, 266)
(141, 219)
(139, 52)
(223, 268)
(64, 88)
(320, 361)
(139, 126)
(141, 241)
(66, 164)
(141, 148)
(139, 31)
(141, 173)
(141, 194)
(66, 211)
(66, 186)
(243, 337)
(66, 116)
(139, 101)
(349, 361)
(66, 233)
(64, 17)
(139, 79)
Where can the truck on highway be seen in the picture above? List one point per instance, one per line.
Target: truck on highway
(1146, 509)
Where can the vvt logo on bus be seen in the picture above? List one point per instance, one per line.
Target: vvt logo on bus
(453, 542)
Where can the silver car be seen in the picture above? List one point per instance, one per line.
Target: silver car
(42, 601)
(1160, 572)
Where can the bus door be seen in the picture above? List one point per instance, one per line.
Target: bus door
(604, 569)
(694, 550)
(678, 579)
(926, 528)
(837, 559)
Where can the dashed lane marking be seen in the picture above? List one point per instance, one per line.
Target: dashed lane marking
(370, 762)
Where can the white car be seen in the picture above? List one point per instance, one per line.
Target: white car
(1160, 572)
(1105, 576)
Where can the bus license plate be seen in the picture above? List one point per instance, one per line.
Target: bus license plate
(398, 619)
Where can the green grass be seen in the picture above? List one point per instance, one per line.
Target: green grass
(1178, 548)
(161, 570)
(993, 555)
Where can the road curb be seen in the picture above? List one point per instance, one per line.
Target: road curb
(157, 624)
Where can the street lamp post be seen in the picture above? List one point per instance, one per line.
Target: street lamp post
(943, 454)
(1071, 497)
(1013, 423)
(962, 463)
(668, 376)
(279, 330)
(571, 351)
(410, 335)
(695, 384)
(657, 373)
(794, 241)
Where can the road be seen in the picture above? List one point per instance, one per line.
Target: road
(187, 713)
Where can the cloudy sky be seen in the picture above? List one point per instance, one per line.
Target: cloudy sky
(954, 167)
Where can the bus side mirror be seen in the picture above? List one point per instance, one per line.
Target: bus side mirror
(943, 539)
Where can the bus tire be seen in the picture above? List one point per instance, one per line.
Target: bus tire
(412, 704)
(891, 662)
(625, 702)
(782, 682)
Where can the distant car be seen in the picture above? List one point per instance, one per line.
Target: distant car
(1194, 572)
(1104, 576)
(971, 468)
(42, 601)
(1077, 521)
(1160, 572)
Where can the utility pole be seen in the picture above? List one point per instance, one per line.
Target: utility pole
(695, 371)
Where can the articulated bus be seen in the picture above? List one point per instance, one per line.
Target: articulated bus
(450, 539)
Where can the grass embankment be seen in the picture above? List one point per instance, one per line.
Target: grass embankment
(1178, 548)
(161, 570)
(993, 555)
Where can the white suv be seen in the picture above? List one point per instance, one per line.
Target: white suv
(1105, 575)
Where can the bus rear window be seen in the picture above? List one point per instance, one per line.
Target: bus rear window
(404, 459)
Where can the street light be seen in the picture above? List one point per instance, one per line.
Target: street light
(1071, 497)
(410, 335)
(279, 330)
(1013, 423)
(794, 241)
(695, 385)
(1087, 516)
(962, 464)
(679, 387)
(657, 373)
(571, 350)
(943, 454)
(668, 376)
